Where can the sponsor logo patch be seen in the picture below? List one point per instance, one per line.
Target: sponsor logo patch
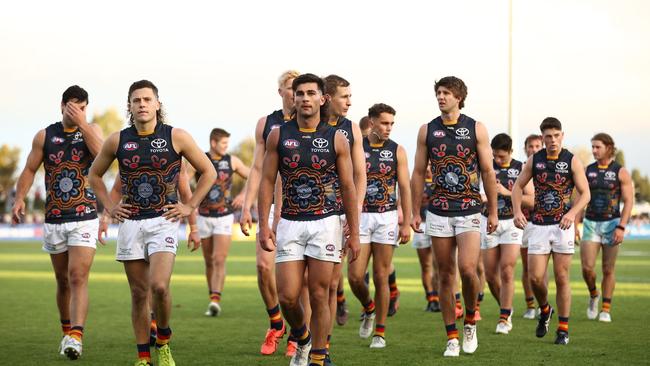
(320, 143)
(386, 154)
(462, 133)
(158, 143)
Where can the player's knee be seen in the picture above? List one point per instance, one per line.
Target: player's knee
(608, 271)
(468, 272)
(139, 294)
(536, 281)
(159, 289)
(356, 280)
(62, 281)
(446, 279)
(78, 278)
(264, 270)
(288, 301)
(219, 260)
(507, 271)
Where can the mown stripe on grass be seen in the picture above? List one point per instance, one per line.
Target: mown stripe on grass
(406, 285)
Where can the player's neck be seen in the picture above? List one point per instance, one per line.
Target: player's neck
(67, 125)
(215, 155)
(505, 164)
(334, 120)
(451, 116)
(604, 162)
(553, 154)
(308, 123)
(375, 139)
(287, 111)
(145, 128)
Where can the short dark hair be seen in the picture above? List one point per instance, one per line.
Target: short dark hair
(532, 137)
(456, 86)
(308, 78)
(218, 133)
(550, 123)
(364, 123)
(332, 82)
(501, 142)
(74, 92)
(379, 108)
(141, 84)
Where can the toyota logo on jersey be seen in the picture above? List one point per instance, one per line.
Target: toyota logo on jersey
(320, 143)
(158, 143)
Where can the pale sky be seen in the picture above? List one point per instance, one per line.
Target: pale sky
(216, 63)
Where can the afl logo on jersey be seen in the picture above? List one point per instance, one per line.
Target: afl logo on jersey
(462, 133)
(291, 144)
(130, 146)
(158, 143)
(367, 155)
(274, 127)
(592, 175)
(386, 154)
(439, 133)
(561, 166)
(540, 166)
(57, 140)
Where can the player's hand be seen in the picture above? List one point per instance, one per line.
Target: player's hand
(102, 233)
(492, 223)
(415, 223)
(520, 220)
(245, 221)
(353, 247)
(177, 211)
(619, 234)
(567, 221)
(266, 237)
(74, 114)
(120, 211)
(193, 240)
(404, 233)
(18, 212)
(238, 201)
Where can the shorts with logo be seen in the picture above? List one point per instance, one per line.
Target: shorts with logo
(209, 226)
(318, 239)
(525, 237)
(139, 239)
(421, 240)
(545, 239)
(58, 237)
(378, 227)
(601, 232)
(447, 227)
(506, 233)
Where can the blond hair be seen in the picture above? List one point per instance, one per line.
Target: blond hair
(289, 74)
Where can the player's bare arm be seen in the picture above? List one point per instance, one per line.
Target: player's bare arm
(485, 164)
(266, 191)
(26, 179)
(417, 178)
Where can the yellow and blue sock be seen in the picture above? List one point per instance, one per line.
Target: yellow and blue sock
(452, 332)
(77, 332)
(144, 352)
(369, 308)
(275, 317)
(163, 336)
(65, 326)
(215, 296)
(301, 335)
(607, 304)
(563, 325)
(317, 357)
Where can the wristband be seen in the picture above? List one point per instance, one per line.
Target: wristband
(620, 227)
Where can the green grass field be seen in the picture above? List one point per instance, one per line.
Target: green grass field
(29, 318)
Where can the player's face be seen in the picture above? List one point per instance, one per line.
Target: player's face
(533, 146)
(143, 105)
(308, 99)
(598, 149)
(502, 157)
(221, 146)
(447, 102)
(382, 125)
(553, 140)
(341, 101)
(286, 92)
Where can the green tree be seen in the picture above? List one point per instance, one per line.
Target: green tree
(619, 157)
(9, 158)
(244, 151)
(641, 185)
(110, 121)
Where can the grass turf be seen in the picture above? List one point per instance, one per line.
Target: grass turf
(29, 319)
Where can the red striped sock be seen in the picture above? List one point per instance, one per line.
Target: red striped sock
(607, 304)
(65, 327)
(564, 324)
(380, 329)
(77, 332)
(215, 296)
(452, 332)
